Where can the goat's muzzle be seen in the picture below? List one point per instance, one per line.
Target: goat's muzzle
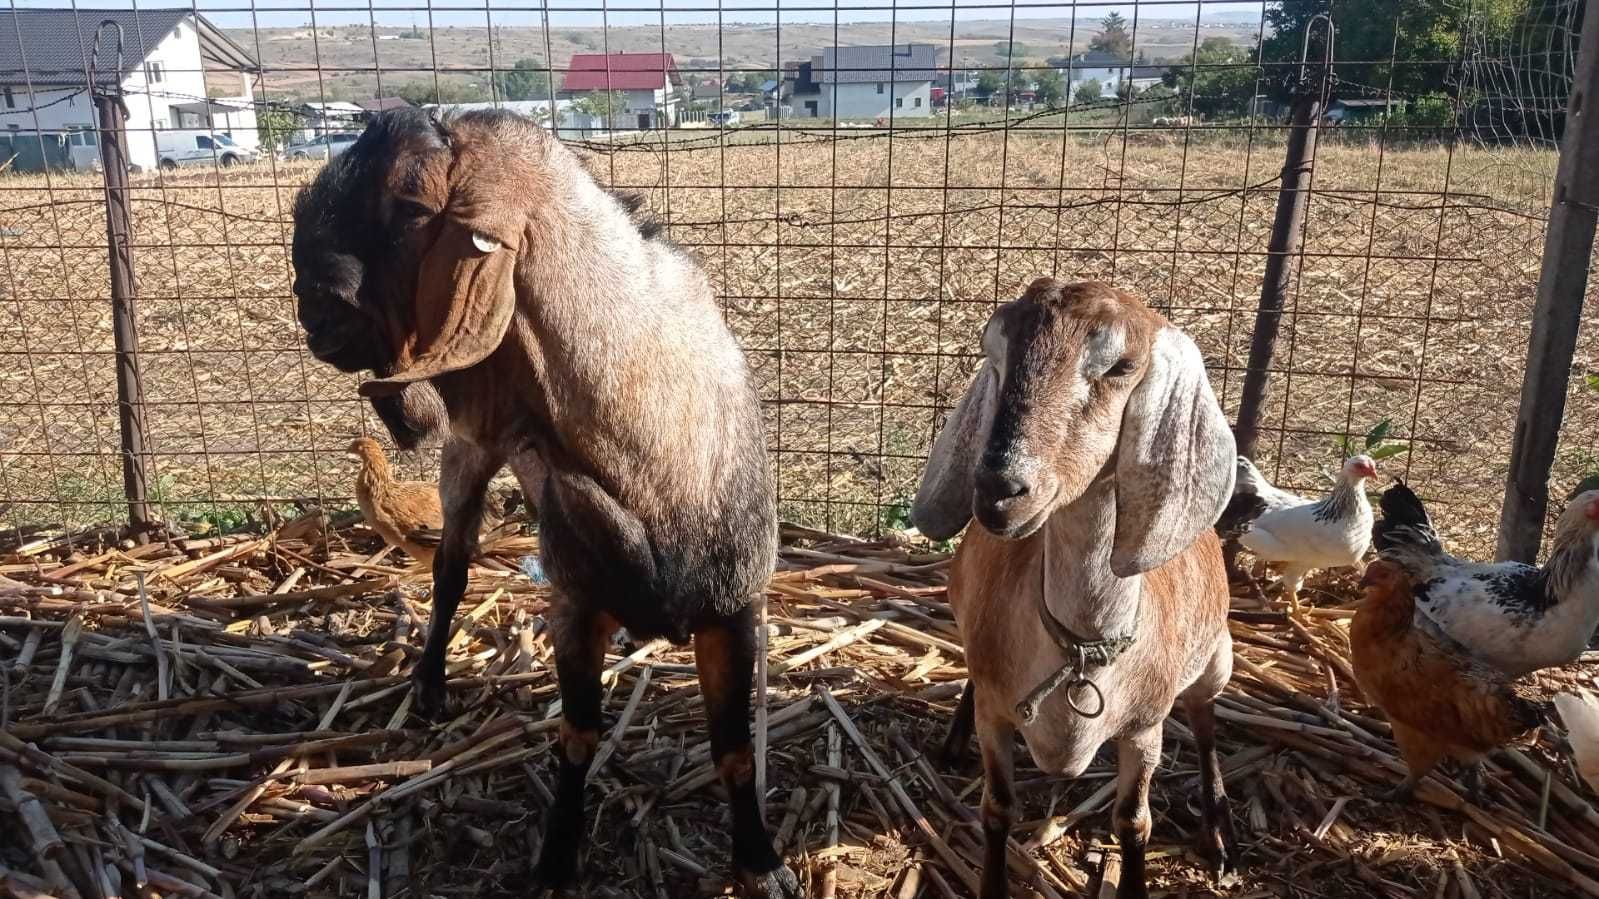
(1012, 501)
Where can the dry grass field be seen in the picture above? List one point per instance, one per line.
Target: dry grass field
(857, 272)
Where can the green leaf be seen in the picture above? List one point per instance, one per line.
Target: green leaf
(1344, 448)
(1389, 451)
(1376, 434)
(1592, 382)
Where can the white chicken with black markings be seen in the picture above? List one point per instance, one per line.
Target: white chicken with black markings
(1515, 617)
(1333, 532)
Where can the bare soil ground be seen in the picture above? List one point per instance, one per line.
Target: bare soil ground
(858, 273)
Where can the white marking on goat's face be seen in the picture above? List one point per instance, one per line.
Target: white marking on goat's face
(1068, 358)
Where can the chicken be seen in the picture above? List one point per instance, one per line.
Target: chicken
(1441, 701)
(1253, 496)
(1330, 533)
(1515, 617)
(397, 510)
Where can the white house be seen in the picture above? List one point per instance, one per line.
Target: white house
(1111, 71)
(167, 53)
(650, 87)
(881, 82)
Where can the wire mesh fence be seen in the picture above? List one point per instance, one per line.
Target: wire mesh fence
(862, 182)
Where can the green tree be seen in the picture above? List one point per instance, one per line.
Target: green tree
(529, 79)
(276, 126)
(601, 105)
(1113, 37)
(1051, 88)
(1382, 38)
(990, 83)
(422, 92)
(1220, 77)
(1009, 49)
(1088, 92)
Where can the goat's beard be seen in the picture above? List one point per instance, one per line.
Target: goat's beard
(412, 416)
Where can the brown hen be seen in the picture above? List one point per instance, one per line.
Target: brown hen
(1440, 701)
(397, 510)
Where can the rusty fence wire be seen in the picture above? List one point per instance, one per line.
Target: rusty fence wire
(857, 244)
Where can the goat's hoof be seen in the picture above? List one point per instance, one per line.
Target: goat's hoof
(555, 870)
(778, 883)
(428, 695)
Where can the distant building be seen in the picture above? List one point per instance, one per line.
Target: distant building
(1111, 71)
(332, 117)
(1356, 110)
(47, 117)
(876, 82)
(649, 83)
(383, 104)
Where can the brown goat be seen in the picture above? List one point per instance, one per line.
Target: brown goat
(477, 258)
(1095, 458)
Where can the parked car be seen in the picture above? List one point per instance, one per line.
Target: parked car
(199, 147)
(726, 118)
(326, 146)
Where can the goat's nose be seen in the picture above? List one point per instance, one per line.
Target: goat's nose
(1000, 485)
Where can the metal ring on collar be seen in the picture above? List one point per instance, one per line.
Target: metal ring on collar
(1099, 697)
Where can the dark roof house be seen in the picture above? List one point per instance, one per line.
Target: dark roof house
(620, 72)
(856, 65)
(53, 47)
(383, 104)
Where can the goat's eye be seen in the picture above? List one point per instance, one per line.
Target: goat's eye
(410, 210)
(1122, 367)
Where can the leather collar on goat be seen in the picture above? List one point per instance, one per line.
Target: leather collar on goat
(1081, 655)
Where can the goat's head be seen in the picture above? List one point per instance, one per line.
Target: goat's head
(405, 248)
(1082, 381)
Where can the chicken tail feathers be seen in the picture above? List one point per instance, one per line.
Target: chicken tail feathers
(1404, 525)
(1247, 483)
(1580, 714)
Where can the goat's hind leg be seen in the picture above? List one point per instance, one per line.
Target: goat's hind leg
(466, 471)
(1217, 842)
(724, 654)
(580, 637)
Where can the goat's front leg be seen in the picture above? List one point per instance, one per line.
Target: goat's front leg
(580, 637)
(997, 738)
(724, 653)
(465, 473)
(1138, 757)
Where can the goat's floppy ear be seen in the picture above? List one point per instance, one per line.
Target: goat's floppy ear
(465, 292)
(1175, 464)
(944, 501)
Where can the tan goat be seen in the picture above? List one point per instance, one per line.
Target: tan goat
(1094, 456)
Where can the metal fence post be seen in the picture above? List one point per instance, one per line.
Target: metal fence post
(1287, 230)
(1562, 281)
(112, 115)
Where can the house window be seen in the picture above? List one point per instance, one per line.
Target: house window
(918, 103)
(899, 102)
(879, 87)
(11, 99)
(152, 72)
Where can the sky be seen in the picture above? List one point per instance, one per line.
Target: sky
(577, 13)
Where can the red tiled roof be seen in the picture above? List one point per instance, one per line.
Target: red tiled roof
(618, 71)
